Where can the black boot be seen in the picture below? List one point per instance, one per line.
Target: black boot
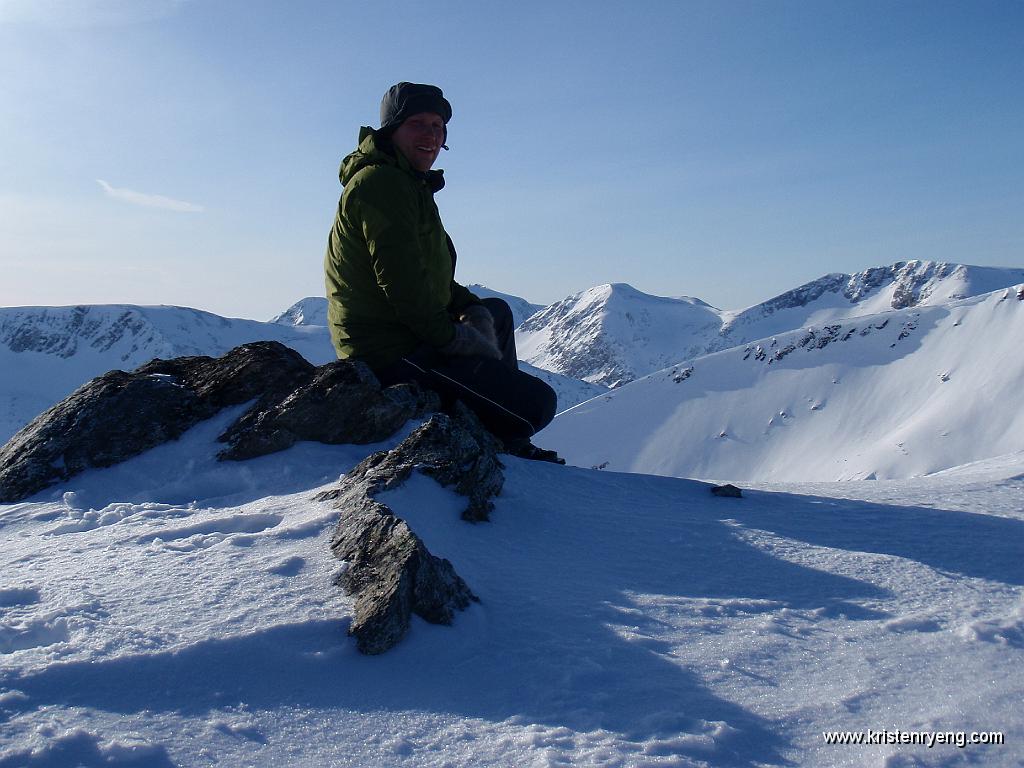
(524, 449)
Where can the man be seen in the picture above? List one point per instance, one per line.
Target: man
(390, 274)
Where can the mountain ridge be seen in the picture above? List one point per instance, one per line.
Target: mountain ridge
(613, 334)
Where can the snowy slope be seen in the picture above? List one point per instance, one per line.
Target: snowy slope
(176, 612)
(571, 392)
(840, 296)
(898, 394)
(614, 334)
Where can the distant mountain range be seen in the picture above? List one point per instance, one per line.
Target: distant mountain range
(613, 334)
(902, 393)
(48, 352)
(925, 358)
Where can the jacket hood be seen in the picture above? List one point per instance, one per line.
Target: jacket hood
(374, 151)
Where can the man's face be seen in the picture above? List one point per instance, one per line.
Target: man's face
(419, 138)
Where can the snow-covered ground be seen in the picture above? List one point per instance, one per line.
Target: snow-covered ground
(172, 611)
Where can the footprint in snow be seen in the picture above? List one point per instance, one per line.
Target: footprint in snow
(78, 747)
(211, 532)
(1008, 631)
(20, 632)
(912, 624)
(14, 597)
(33, 633)
(288, 567)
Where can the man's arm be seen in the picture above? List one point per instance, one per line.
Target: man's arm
(462, 297)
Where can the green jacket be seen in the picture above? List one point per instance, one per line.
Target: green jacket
(389, 271)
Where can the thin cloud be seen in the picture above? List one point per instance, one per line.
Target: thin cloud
(149, 201)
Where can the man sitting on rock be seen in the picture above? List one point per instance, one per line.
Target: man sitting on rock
(390, 273)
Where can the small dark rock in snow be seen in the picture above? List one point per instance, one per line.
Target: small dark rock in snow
(727, 491)
(119, 415)
(391, 573)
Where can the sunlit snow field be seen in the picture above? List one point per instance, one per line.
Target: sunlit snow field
(173, 611)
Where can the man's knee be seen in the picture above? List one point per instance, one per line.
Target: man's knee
(500, 311)
(548, 402)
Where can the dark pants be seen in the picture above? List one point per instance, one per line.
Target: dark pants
(512, 404)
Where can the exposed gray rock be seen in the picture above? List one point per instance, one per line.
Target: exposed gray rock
(342, 403)
(390, 571)
(119, 415)
(727, 491)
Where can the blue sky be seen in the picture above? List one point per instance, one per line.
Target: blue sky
(186, 152)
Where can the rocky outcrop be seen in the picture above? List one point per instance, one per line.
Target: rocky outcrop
(341, 403)
(389, 570)
(119, 415)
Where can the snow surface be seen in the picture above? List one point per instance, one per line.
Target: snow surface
(176, 611)
(894, 395)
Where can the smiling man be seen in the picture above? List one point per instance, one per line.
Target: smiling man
(390, 275)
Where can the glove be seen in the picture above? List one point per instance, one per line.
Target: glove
(469, 341)
(478, 317)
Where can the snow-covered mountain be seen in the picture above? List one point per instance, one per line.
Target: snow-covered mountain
(839, 296)
(312, 310)
(613, 334)
(178, 611)
(897, 394)
(48, 352)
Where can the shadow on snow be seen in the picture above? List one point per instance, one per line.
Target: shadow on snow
(571, 573)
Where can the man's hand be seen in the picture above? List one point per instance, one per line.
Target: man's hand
(469, 341)
(479, 318)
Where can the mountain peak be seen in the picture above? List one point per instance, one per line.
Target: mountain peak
(311, 310)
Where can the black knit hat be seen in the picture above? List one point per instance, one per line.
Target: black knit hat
(406, 99)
